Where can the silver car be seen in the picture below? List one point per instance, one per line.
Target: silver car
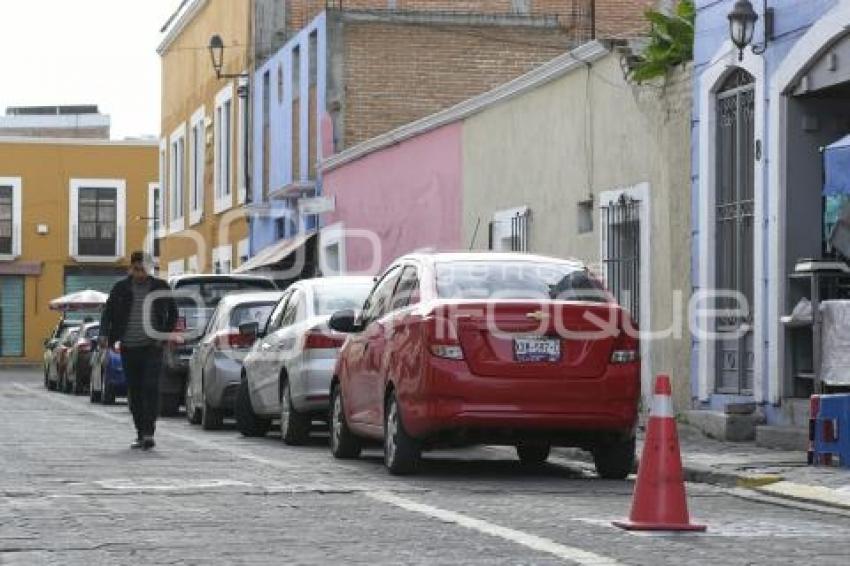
(288, 372)
(215, 367)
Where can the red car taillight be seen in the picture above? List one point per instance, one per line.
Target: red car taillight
(443, 339)
(233, 340)
(323, 340)
(83, 345)
(180, 324)
(626, 347)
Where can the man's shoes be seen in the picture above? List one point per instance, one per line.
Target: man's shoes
(138, 444)
(148, 443)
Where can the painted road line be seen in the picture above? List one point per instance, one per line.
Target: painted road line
(533, 542)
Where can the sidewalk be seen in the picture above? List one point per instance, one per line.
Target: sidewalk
(774, 473)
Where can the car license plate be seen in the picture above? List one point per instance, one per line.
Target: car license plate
(537, 349)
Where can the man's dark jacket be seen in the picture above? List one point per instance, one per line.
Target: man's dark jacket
(116, 314)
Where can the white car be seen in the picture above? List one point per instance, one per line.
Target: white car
(215, 367)
(288, 373)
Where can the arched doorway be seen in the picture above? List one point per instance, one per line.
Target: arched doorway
(734, 231)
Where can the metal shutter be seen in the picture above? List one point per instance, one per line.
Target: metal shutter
(11, 316)
(82, 282)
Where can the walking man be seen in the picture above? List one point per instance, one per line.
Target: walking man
(139, 313)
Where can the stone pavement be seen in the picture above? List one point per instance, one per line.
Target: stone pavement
(71, 492)
(775, 473)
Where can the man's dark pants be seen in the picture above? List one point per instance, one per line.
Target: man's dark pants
(142, 367)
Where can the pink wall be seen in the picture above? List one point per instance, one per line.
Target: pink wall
(409, 195)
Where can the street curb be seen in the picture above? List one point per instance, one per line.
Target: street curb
(824, 496)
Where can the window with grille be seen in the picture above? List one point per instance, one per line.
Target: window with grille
(97, 228)
(509, 231)
(621, 233)
(6, 220)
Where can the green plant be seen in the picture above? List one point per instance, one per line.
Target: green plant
(671, 42)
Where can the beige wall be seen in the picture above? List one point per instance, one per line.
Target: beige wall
(188, 83)
(583, 134)
(46, 170)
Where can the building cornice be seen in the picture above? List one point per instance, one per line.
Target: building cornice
(79, 141)
(177, 27)
(579, 57)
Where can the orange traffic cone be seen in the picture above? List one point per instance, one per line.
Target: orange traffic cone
(660, 503)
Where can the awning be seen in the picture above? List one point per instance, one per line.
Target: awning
(20, 268)
(836, 162)
(275, 253)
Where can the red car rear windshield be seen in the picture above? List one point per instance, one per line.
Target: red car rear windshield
(504, 279)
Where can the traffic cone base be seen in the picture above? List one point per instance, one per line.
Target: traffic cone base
(660, 502)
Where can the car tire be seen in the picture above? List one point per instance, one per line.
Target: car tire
(615, 460)
(533, 453)
(401, 451)
(193, 413)
(344, 445)
(169, 404)
(294, 427)
(211, 417)
(247, 421)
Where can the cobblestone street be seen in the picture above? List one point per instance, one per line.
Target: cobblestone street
(73, 493)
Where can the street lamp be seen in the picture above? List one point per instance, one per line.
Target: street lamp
(217, 54)
(742, 26)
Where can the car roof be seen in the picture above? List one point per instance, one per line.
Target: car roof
(175, 279)
(335, 280)
(241, 297)
(461, 256)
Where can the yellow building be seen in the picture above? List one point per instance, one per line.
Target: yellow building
(202, 150)
(71, 213)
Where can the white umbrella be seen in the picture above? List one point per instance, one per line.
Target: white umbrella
(79, 301)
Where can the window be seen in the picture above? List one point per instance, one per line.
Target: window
(224, 149)
(222, 259)
(177, 160)
(97, 218)
(243, 251)
(328, 299)
(734, 227)
(621, 250)
(176, 267)
(10, 217)
(276, 316)
(378, 303)
(197, 158)
(294, 309)
(509, 230)
(163, 178)
(241, 148)
(407, 292)
(154, 219)
(267, 134)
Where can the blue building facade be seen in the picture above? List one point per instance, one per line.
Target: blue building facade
(759, 121)
(289, 108)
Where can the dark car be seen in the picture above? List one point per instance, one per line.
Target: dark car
(197, 296)
(108, 379)
(78, 372)
(59, 365)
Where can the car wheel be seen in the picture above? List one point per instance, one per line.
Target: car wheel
(401, 451)
(51, 385)
(211, 417)
(247, 421)
(193, 414)
(615, 460)
(533, 454)
(344, 445)
(294, 427)
(169, 404)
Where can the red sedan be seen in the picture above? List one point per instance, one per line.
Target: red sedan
(456, 349)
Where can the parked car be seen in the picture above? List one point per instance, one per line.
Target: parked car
(466, 348)
(50, 343)
(215, 367)
(60, 358)
(194, 311)
(78, 372)
(108, 380)
(288, 373)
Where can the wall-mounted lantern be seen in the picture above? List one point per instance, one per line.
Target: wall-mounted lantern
(742, 27)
